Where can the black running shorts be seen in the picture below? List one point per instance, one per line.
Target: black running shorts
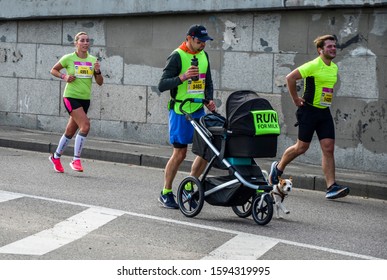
(74, 103)
(311, 119)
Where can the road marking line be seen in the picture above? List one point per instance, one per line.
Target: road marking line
(121, 212)
(5, 196)
(242, 247)
(61, 234)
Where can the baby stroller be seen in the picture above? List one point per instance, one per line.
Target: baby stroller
(250, 130)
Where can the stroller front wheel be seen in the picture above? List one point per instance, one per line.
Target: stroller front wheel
(262, 209)
(190, 196)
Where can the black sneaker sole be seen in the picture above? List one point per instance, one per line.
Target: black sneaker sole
(341, 194)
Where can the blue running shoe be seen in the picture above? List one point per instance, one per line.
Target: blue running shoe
(168, 201)
(274, 174)
(336, 191)
(187, 195)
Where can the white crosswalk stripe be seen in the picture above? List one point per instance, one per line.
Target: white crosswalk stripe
(242, 247)
(61, 234)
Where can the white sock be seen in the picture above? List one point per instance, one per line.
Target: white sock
(63, 142)
(79, 142)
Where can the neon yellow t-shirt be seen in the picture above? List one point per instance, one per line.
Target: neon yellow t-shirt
(319, 80)
(83, 69)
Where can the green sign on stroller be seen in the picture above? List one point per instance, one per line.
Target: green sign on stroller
(266, 122)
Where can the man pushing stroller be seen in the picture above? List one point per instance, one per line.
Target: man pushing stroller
(185, 81)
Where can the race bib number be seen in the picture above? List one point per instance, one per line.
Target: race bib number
(326, 97)
(196, 86)
(83, 70)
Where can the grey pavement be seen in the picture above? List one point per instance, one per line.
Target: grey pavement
(305, 176)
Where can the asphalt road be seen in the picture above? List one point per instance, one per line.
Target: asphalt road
(111, 212)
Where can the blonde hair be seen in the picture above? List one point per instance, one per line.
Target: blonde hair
(76, 38)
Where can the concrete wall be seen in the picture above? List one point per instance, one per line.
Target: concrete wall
(254, 48)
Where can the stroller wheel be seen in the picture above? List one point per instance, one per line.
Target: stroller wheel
(262, 209)
(243, 211)
(190, 196)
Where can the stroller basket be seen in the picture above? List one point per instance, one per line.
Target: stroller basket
(236, 194)
(233, 195)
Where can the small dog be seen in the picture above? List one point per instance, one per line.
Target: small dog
(279, 192)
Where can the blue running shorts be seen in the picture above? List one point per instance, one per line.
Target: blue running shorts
(180, 130)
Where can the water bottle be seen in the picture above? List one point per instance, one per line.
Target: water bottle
(194, 62)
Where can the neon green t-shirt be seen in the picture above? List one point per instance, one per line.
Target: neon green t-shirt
(319, 80)
(83, 69)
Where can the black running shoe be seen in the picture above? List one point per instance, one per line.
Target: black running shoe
(168, 201)
(274, 174)
(336, 191)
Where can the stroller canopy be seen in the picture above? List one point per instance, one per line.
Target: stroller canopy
(249, 114)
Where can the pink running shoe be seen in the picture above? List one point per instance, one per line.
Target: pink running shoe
(57, 164)
(76, 165)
